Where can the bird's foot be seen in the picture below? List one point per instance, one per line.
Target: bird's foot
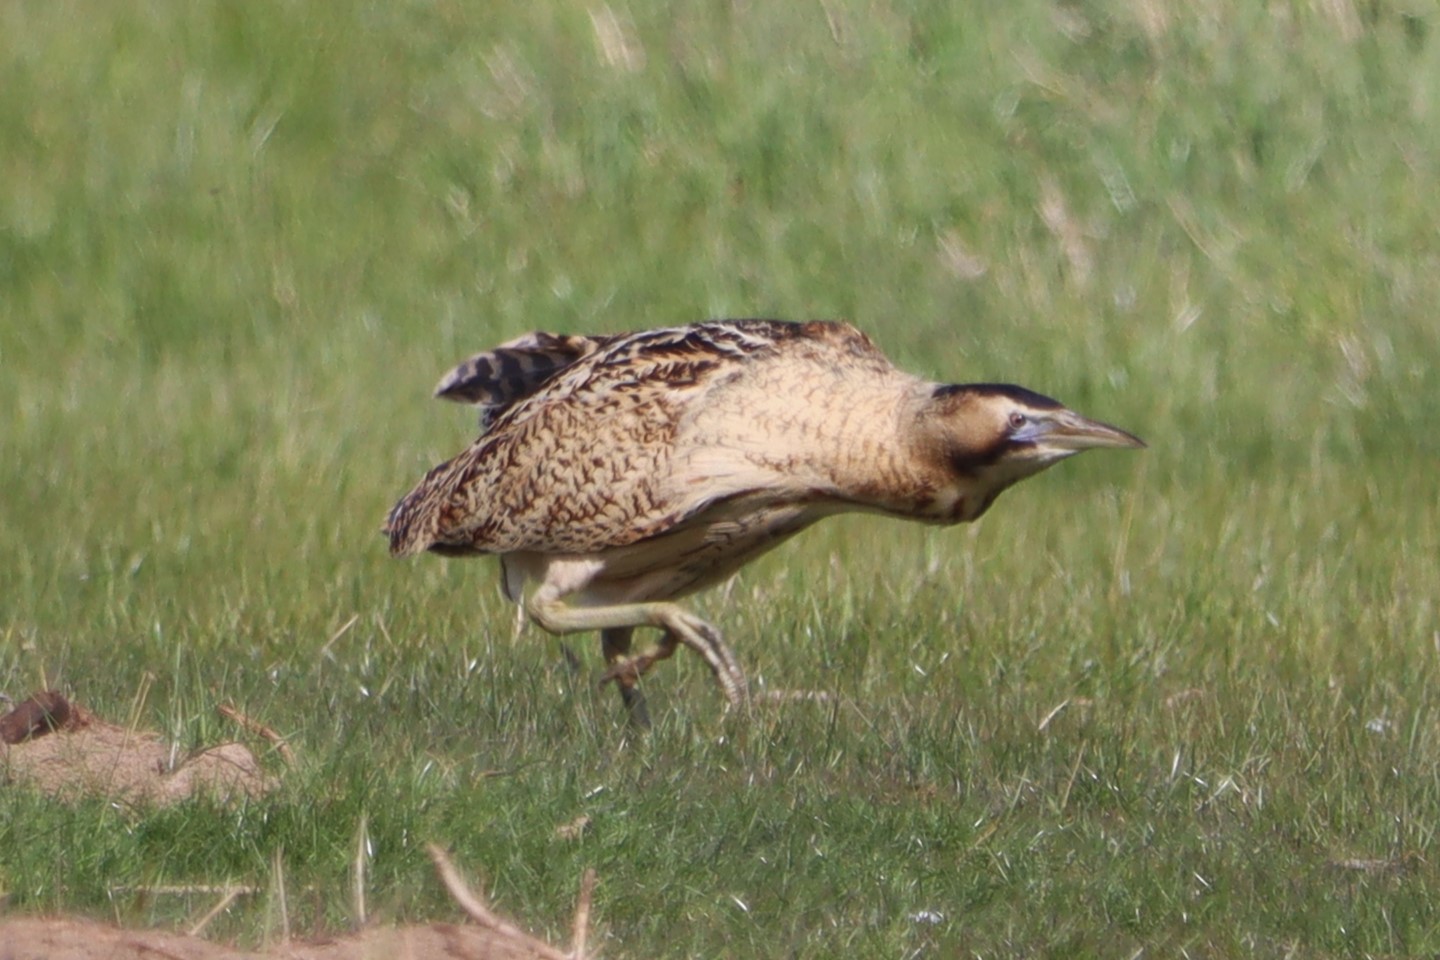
(628, 672)
(706, 641)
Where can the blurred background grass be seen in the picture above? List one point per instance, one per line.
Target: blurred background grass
(239, 242)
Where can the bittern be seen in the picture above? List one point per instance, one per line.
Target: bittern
(616, 474)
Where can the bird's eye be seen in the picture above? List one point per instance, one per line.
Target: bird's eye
(1017, 420)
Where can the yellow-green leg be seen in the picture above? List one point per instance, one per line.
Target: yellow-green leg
(620, 620)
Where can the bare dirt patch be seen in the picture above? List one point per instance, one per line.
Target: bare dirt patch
(64, 750)
(64, 939)
(492, 937)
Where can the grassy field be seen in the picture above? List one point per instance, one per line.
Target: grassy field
(239, 243)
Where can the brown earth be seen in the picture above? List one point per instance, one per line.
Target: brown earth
(62, 749)
(54, 745)
(37, 938)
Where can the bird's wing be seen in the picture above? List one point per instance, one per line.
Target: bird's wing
(498, 378)
(595, 456)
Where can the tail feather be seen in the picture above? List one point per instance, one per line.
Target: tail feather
(498, 378)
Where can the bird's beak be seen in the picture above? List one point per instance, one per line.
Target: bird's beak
(1067, 430)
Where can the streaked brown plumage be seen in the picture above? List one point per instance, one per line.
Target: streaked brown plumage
(619, 473)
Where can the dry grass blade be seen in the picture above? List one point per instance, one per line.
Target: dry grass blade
(362, 849)
(180, 889)
(278, 865)
(793, 696)
(480, 912)
(582, 915)
(334, 637)
(1074, 772)
(224, 904)
(1054, 712)
(1059, 708)
(260, 730)
(1378, 865)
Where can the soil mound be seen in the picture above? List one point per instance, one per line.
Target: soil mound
(64, 750)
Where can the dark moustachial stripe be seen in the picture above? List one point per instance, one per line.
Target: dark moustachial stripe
(970, 464)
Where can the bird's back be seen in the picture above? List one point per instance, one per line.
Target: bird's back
(610, 440)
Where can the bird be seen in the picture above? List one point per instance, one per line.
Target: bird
(617, 474)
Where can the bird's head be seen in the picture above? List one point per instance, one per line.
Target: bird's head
(988, 436)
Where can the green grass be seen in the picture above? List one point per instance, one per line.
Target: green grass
(239, 242)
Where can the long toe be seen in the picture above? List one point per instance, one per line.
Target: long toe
(733, 684)
(624, 672)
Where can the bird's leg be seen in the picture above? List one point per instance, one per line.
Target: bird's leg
(557, 617)
(615, 643)
(627, 670)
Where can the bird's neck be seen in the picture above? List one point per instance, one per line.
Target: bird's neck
(914, 476)
(871, 449)
(854, 443)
